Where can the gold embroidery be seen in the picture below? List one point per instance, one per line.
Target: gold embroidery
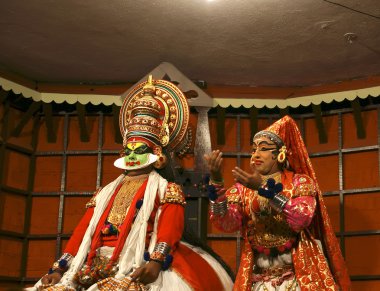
(58, 288)
(123, 199)
(304, 187)
(267, 229)
(276, 176)
(233, 199)
(92, 202)
(233, 190)
(174, 195)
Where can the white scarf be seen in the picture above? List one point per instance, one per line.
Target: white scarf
(132, 253)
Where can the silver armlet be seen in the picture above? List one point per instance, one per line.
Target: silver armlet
(218, 208)
(163, 248)
(66, 256)
(278, 202)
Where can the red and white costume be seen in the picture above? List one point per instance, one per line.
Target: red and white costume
(156, 221)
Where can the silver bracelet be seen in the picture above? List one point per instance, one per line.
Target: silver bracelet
(218, 208)
(66, 256)
(278, 202)
(162, 247)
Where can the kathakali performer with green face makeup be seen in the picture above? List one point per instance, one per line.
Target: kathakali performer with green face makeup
(129, 238)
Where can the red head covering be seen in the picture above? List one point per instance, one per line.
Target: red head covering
(287, 131)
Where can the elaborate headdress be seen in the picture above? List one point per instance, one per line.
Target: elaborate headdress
(285, 132)
(156, 112)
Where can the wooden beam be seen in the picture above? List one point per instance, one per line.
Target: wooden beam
(51, 133)
(360, 130)
(4, 95)
(220, 125)
(319, 123)
(253, 121)
(116, 112)
(284, 111)
(33, 108)
(81, 110)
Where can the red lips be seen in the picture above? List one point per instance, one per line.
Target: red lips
(257, 162)
(131, 164)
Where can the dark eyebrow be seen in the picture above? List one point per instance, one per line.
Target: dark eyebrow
(264, 142)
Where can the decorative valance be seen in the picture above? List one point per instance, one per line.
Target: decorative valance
(247, 97)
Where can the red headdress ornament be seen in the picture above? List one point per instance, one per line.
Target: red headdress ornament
(156, 111)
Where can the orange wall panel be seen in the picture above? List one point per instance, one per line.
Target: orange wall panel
(16, 171)
(361, 170)
(245, 164)
(366, 285)
(187, 162)
(363, 255)
(10, 257)
(44, 217)
(228, 165)
(350, 138)
(362, 211)
(12, 212)
(327, 171)
(81, 173)
(48, 174)
(41, 257)
(226, 249)
(109, 171)
(74, 209)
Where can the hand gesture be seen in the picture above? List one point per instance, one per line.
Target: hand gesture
(252, 181)
(147, 273)
(50, 280)
(214, 163)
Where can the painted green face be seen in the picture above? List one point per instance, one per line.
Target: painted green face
(136, 154)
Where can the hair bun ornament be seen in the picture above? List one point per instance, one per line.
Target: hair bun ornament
(162, 160)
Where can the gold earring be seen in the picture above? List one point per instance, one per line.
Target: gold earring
(161, 158)
(282, 155)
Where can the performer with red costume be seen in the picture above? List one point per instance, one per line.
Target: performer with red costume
(129, 238)
(289, 243)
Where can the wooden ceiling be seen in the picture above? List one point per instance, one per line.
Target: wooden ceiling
(276, 43)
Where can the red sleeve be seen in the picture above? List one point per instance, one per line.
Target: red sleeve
(172, 219)
(170, 224)
(77, 236)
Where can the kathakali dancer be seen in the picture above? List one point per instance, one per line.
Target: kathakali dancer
(289, 243)
(129, 237)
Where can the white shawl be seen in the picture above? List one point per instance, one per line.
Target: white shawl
(132, 254)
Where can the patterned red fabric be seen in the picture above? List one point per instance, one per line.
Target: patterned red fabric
(299, 212)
